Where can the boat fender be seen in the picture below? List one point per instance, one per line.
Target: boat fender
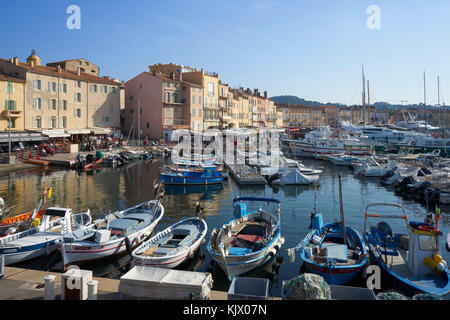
(128, 245)
(272, 252)
(190, 253)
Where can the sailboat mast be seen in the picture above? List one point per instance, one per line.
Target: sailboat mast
(368, 101)
(425, 96)
(364, 97)
(439, 94)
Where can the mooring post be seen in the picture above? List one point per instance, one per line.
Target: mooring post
(92, 289)
(49, 287)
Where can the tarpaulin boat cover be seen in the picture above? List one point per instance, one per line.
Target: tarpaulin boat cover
(158, 283)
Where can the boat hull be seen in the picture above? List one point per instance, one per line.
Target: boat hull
(402, 285)
(334, 276)
(240, 264)
(180, 254)
(16, 255)
(81, 252)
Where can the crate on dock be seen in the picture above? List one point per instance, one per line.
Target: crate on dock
(150, 283)
(249, 289)
(74, 284)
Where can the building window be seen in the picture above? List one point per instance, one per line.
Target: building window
(64, 87)
(210, 88)
(37, 103)
(10, 87)
(105, 119)
(37, 84)
(78, 84)
(199, 112)
(193, 112)
(193, 99)
(64, 104)
(52, 104)
(78, 113)
(52, 86)
(167, 97)
(10, 105)
(52, 122)
(78, 97)
(38, 122)
(148, 125)
(93, 88)
(64, 122)
(105, 89)
(11, 123)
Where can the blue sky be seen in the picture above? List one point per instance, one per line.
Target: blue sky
(310, 48)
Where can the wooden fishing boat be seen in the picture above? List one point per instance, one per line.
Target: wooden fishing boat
(325, 251)
(192, 176)
(335, 251)
(411, 263)
(39, 241)
(248, 241)
(13, 222)
(173, 246)
(116, 233)
(24, 221)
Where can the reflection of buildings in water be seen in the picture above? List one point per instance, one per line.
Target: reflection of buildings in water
(69, 190)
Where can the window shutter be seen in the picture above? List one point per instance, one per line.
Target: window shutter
(15, 105)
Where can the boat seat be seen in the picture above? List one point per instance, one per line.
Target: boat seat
(77, 235)
(238, 251)
(122, 224)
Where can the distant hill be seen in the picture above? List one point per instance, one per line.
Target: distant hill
(297, 100)
(379, 105)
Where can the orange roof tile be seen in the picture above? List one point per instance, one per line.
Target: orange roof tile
(53, 71)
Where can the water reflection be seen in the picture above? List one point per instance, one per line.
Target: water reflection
(118, 188)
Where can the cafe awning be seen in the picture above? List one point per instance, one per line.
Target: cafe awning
(78, 131)
(97, 130)
(22, 137)
(55, 133)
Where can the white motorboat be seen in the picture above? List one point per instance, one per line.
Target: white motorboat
(116, 233)
(40, 240)
(173, 246)
(248, 241)
(323, 141)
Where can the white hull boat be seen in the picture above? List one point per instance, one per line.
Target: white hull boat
(295, 177)
(173, 246)
(247, 242)
(116, 233)
(39, 241)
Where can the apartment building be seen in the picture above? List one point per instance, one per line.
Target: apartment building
(13, 99)
(65, 103)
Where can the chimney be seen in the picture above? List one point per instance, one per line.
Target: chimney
(180, 76)
(15, 61)
(59, 68)
(265, 94)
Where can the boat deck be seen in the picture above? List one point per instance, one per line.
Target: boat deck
(39, 237)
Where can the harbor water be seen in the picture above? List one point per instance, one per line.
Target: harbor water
(110, 189)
